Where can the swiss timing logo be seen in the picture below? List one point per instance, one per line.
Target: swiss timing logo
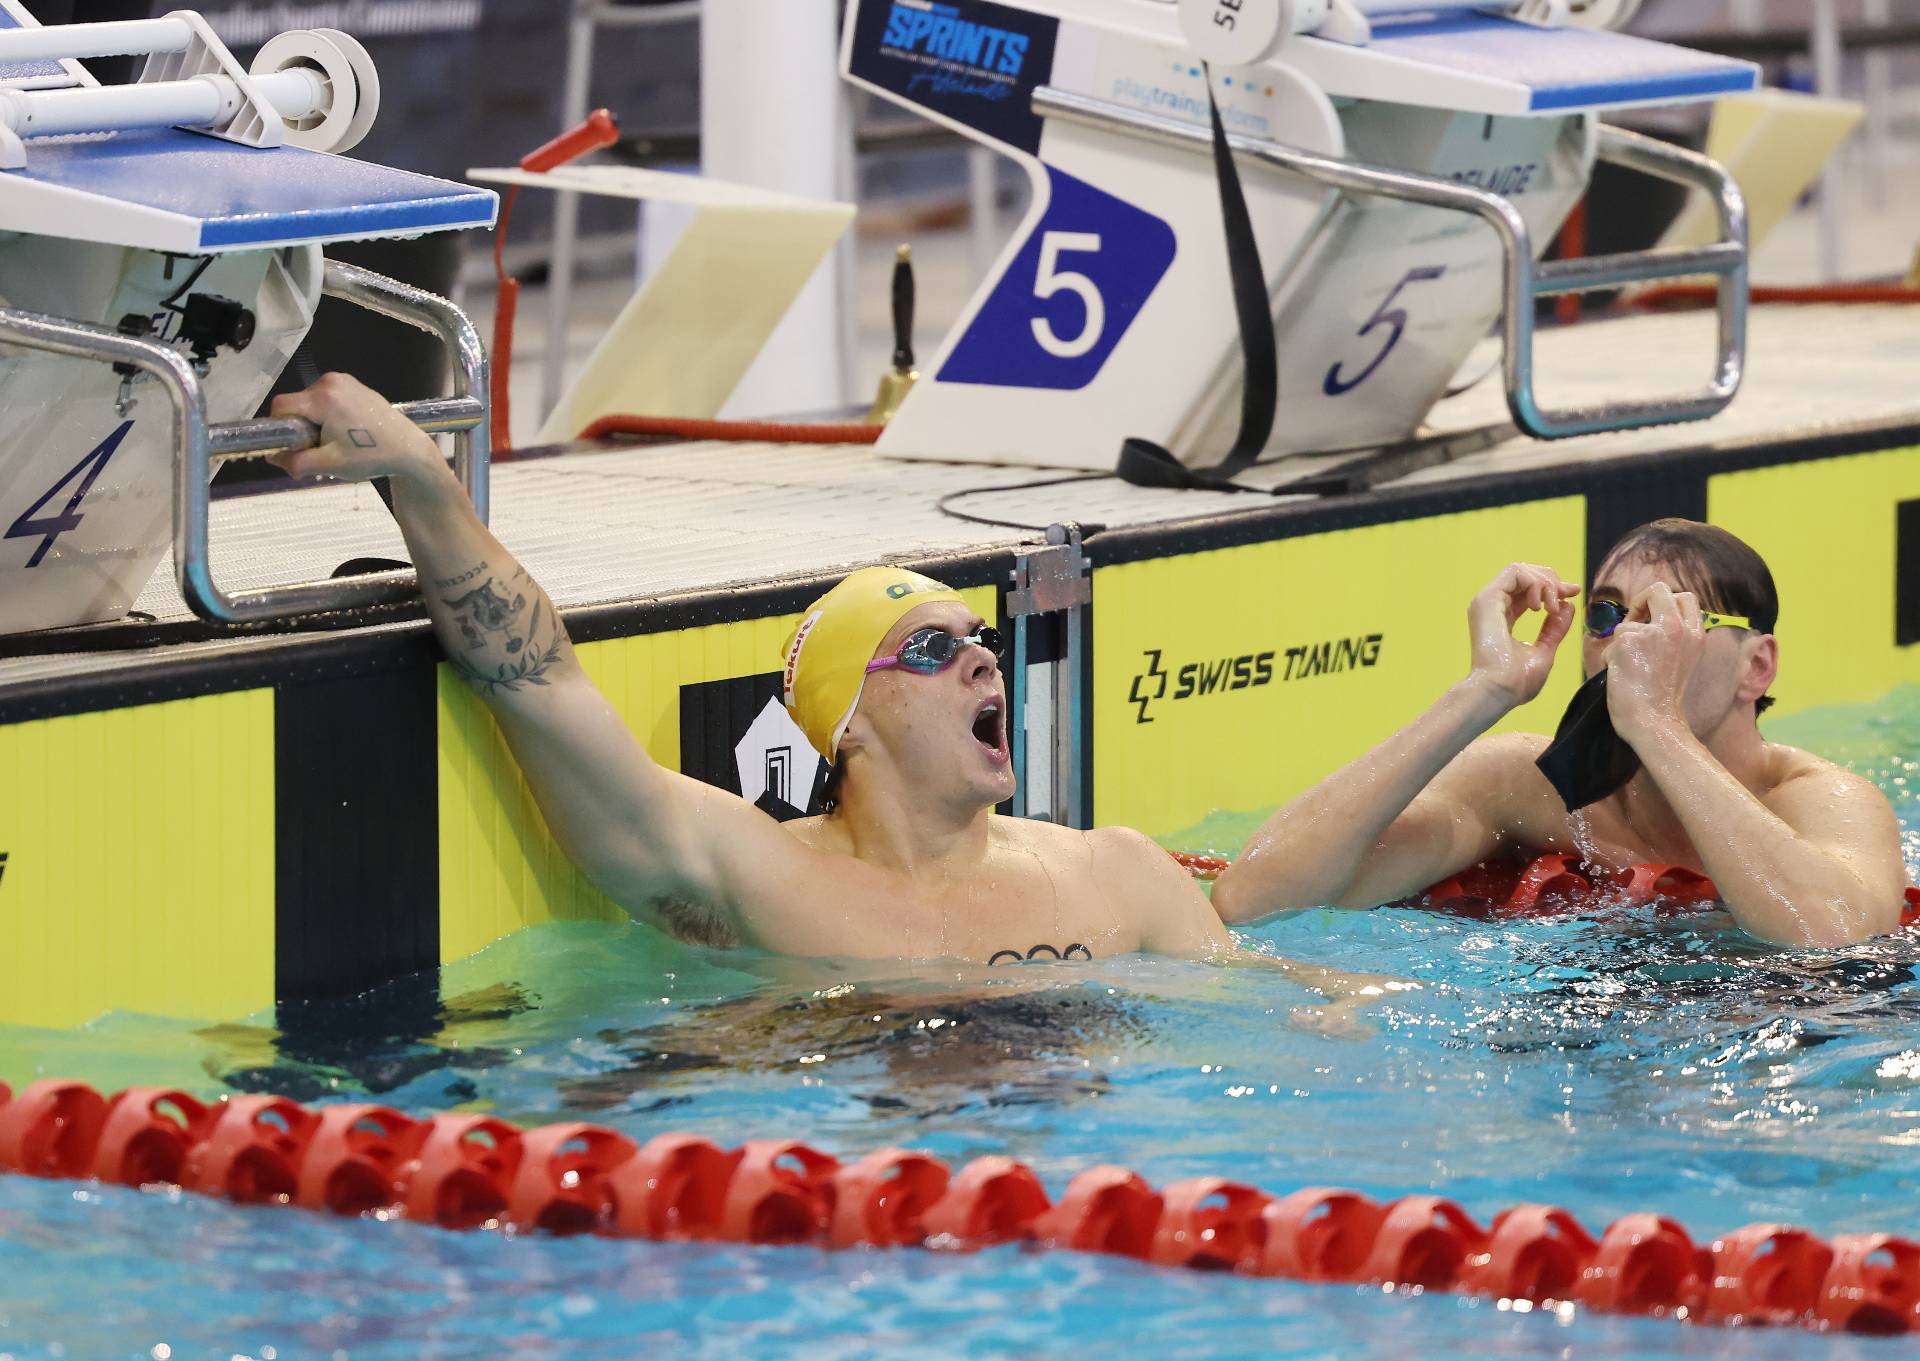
(1248, 670)
(1155, 674)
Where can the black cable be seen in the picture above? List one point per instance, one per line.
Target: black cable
(946, 509)
(169, 302)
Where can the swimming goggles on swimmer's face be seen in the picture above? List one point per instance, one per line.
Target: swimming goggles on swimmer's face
(1605, 615)
(932, 650)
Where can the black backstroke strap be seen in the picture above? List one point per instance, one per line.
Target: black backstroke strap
(1146, 464)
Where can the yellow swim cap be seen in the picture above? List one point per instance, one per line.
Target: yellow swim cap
(827, 656)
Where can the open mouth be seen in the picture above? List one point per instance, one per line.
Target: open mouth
(990, 728)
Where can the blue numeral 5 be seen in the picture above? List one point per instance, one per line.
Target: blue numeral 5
(1384, 315)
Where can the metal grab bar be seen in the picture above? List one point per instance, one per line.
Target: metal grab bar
(1522, 281)
(281, 434)
(198, 445)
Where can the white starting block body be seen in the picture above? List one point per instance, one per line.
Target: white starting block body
(1110, 312)
(159, 234)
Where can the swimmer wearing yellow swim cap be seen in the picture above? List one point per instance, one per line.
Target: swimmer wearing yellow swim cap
(890, 675)
(830, 652)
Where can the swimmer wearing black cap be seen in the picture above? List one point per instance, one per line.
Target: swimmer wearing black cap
(1658, 759)
(890, 675)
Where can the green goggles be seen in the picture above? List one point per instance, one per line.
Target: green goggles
(1604, 616)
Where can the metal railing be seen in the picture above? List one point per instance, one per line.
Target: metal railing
(199, 445)
(1522, 281)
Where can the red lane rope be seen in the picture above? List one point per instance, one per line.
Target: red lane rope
(473, 1171)
(1201, 866)
(1550, 885)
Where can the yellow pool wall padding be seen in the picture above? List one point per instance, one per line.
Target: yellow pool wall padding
(1407, 582)
(140, 862)
(1829, 532)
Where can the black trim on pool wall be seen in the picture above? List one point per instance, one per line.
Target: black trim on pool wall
(1613, 510)
(1906, 574)
(356, 833)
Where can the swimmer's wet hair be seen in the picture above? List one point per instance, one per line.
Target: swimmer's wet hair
(1718, 567)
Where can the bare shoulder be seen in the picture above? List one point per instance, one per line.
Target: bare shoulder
(1507, 750)
(1117, 854)
(1125, 847)
(1844, 814)
(1131, 863)
(782, 881)
(1497, 769)
(816, 833)
(1803, 783)
(1497, 776)
(1156, 894)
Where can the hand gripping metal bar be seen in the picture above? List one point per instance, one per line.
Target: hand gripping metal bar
(1522, 281)
(198, 446)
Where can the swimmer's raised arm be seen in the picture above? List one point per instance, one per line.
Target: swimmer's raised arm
(643, 834)
(1368, 834)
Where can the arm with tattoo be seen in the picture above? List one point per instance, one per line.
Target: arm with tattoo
(509, 635)
(497, 626)
(651, 839)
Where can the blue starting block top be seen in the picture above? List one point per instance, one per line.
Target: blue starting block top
(171, 190)
(1483, 64)
(167, 189)
(41, 74)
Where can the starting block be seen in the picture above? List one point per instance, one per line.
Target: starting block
(1403, 172)
(160, 260)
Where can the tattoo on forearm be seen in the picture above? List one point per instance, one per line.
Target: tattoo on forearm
(363, 439)
(460, 580)
(509, 637)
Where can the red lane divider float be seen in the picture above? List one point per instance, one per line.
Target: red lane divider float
(468, 1171)
(1552, 885)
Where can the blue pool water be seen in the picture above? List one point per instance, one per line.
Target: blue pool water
(1616, 1063)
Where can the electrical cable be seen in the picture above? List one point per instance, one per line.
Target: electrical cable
(171, 301)
(945, 508)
